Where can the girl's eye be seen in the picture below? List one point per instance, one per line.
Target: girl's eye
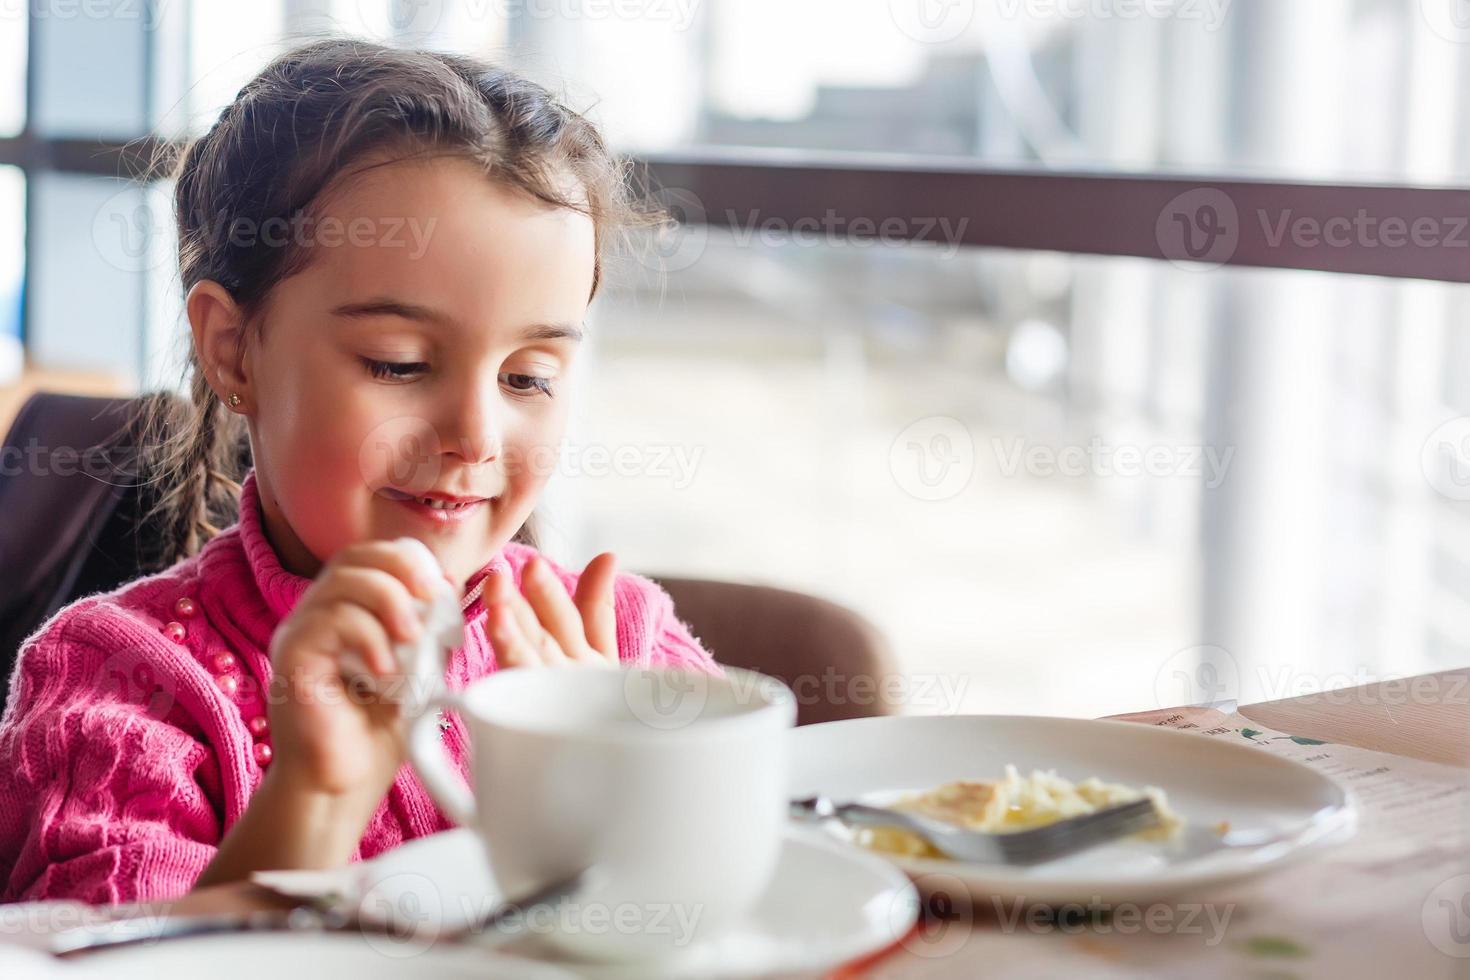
(394, 370)
(527, 383)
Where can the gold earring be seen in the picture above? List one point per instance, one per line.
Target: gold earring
(234, 400)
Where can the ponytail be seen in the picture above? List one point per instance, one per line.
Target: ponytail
(196, 456)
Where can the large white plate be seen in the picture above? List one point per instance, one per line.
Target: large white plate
(827, 904)
(1207, 779)
(285, 956)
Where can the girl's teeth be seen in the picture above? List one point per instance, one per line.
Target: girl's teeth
(440, 504)
(394, 494)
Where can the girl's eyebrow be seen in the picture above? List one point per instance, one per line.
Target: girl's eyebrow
(414, 311)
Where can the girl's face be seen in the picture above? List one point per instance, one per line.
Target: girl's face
(423, 355)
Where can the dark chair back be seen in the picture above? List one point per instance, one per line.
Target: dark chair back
(836, 662)
(69, 506)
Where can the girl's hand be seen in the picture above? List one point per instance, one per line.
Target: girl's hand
(332, 736)
(547, 627)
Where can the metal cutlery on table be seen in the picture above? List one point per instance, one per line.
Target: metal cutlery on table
(1020, 847)
(301, 919)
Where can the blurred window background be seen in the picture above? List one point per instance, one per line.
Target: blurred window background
(1066, 483)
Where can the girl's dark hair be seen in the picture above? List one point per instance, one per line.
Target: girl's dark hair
(307, 118)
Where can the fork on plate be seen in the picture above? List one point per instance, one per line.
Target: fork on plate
(1020, 847)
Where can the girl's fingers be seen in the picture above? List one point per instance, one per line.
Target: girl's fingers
(511, 649)
(508, 634)
(358, 628)
(555, 610)
(547, 648)
(406, 559)
(303, 652)
(594, 600)
(542, 624)
(534, 644)
(377, 591)
(328, 631)
(503, 593)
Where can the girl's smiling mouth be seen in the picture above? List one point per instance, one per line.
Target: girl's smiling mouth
(438, 508)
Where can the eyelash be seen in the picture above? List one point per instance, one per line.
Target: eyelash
(388, 371)
(534, 382)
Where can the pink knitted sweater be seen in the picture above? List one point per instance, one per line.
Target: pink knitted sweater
(135, 732)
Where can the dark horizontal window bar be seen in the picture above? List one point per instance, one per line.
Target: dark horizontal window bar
(131, 159)
(1366, 229)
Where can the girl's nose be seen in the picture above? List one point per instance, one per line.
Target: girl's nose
(479, 449)
(477, 437)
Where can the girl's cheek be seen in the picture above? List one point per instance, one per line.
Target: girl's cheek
(535, 470)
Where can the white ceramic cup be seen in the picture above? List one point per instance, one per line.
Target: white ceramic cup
(672, 783)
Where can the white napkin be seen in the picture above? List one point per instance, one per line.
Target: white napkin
(421, 663)
(443, 879)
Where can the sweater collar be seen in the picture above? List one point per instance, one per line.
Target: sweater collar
(282, 589)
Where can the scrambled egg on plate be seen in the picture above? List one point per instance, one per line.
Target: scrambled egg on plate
(1010, 804)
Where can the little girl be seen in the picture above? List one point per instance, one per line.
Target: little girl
(387, 257)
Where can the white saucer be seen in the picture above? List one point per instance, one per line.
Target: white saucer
(829, 903)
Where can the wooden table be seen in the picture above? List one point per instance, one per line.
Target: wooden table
(1426, 717)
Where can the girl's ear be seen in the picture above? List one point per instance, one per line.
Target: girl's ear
(219, 337)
